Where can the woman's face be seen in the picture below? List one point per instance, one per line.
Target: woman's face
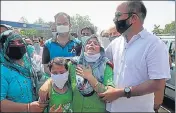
(92, 47)
(58, 69)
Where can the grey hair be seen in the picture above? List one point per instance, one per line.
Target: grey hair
(137, 7)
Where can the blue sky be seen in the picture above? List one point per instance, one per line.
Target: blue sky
(101, 13)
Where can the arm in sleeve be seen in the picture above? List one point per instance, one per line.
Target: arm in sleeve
(108, 52)
(45, 55)
(158, 61)
(108, 76)
(4, 87)
(78, 48)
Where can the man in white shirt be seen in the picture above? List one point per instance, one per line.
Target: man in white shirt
(140, 59)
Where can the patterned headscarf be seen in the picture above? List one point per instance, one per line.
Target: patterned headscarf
(27, 69)
(98, 68)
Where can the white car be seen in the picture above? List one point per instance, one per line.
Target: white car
(170, 84)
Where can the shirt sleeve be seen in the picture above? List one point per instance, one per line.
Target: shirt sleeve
(108, 76)
(158, 61)
(4, 87)
(45, 55)
(108, 52)
(78, 49)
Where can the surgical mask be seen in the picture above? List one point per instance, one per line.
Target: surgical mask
(84, 38)
(92, 58)
(62, 29)
(122, 25)
(60, 79)
(16, 53)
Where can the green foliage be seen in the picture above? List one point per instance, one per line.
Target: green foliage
(28, 32)
(78, 22)
(169, 29)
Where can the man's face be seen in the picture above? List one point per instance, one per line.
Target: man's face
(123, 14)
(62, 20)
(122, 9)
(36, 40)
(86, 32)
(3, 29)
(62, 26)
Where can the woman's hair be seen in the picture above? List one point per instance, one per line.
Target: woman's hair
(94, 36)
(58, 61)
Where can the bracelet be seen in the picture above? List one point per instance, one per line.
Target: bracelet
(95, 85)
(28, 106)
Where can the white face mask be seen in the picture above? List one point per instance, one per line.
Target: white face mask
(62, 29)
(84, 38)
(60, 79)
(92, 58)
(36, 45)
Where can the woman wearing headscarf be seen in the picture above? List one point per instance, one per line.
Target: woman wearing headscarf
(90, 74)
(18, 82)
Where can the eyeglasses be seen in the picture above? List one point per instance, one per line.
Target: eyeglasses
(118, 14)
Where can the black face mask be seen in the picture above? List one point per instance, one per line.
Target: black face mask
(16, 53)
(122, 25)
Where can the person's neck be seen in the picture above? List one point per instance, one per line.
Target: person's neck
(20, 62)
(63, 40)
(133, 33)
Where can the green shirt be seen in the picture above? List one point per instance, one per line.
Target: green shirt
(64, 99)
(92, 103)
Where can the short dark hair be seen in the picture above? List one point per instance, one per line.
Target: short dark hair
(62, 13)
(88, 28)
(137, 7)
(58, 61)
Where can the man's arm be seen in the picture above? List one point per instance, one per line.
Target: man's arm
(158, 71)
(46, 59)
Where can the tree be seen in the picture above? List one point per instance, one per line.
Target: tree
(28, 32)
(78, 22)
(170, 28)
(157, 29)
(23, 20)
(39, 21)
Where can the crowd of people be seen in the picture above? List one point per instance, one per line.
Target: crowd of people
(123, 69)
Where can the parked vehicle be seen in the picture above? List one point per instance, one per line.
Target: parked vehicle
(170, 84)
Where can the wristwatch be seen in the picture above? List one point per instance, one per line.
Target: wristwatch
(127, 91)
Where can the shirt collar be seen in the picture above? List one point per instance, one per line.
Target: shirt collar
(142, 33)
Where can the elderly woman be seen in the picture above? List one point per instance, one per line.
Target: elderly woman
(17, 81)
(91, 73)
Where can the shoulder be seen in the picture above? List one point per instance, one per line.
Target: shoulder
(110, 64)
(115, 42)
(153, 40)
(47, 42)
(75, 41)
(7, 72)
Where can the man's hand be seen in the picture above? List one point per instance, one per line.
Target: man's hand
(59, 109)
(156, 107)
(111, 94)
(36, 107)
